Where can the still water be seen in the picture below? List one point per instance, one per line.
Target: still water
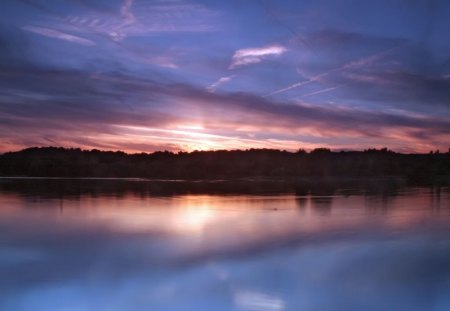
(133, 245)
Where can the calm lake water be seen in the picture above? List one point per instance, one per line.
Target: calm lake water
(135, 245)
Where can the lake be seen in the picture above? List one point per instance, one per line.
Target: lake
(140, 245)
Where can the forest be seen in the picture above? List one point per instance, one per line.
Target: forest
(224, 164)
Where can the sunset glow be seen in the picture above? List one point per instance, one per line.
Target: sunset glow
(143, 76)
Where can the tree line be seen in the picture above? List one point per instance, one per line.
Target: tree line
(224, 164)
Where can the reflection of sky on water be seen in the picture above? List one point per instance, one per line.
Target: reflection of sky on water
(201, 252)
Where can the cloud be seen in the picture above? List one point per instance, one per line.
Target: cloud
(118, 21)
(42, 106)
(251, 300)
(248, 56)
(219, 82)
(51, 33)
(396, 89)
(128, 19)
(143, 18)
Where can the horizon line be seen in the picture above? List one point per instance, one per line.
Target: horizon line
(299, 150)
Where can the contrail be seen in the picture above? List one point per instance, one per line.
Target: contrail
(355, 63)
(322, 91)
(293, 86)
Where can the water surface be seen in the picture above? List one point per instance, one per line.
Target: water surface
(136, 245)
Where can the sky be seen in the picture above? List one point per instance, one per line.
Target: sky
(142, 76)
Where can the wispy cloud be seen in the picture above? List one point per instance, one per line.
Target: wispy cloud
(219, 82)
(248, 56)
(143, 18)
(128, 19)
(51, 33)
(258, 301)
